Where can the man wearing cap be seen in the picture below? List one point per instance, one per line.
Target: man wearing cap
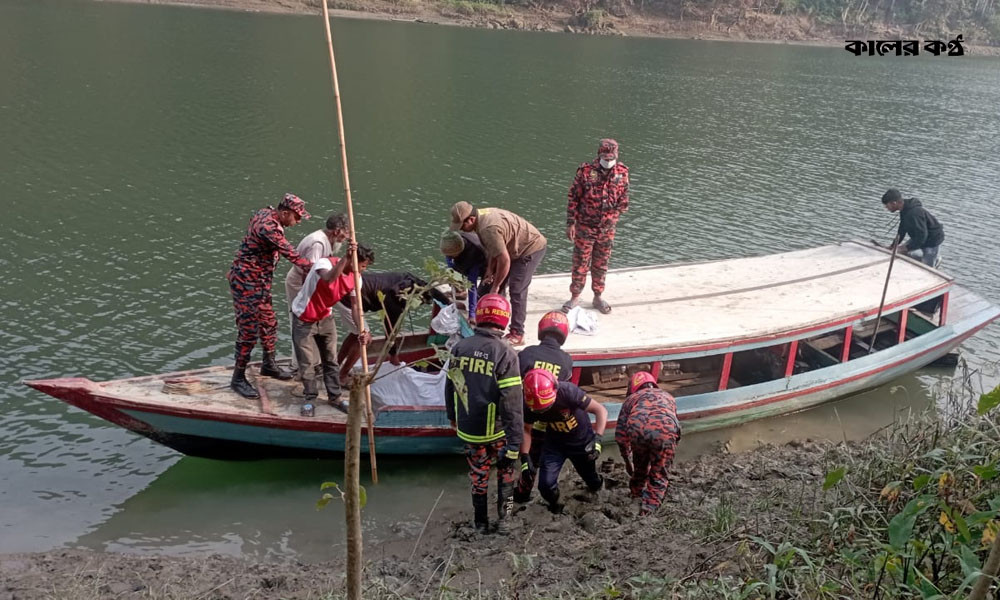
(250, 283)
(597, 198)
(322, 243)
(514, 248)
(922, 231)
(465, 254)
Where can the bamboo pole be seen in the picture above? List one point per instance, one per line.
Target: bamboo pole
(358, 309)
(885, 289)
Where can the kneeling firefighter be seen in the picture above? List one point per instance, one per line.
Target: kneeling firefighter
(565, 409)
(553, 328)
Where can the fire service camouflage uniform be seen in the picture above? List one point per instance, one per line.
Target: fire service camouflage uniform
(549, 356)
(596, 199)
(492, 397)
(250, 282)
(648, 431)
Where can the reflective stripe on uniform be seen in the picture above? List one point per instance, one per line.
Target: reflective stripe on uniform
(509, 382)
(491, 419)
(479, 439)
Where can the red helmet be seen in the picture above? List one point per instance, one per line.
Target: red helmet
(539, 389)
(639, 381)
(554, 322)
(493, 309)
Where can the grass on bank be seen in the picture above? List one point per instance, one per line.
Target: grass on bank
(911, 512)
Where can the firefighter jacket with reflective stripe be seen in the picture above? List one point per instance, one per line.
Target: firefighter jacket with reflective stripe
(487, 405)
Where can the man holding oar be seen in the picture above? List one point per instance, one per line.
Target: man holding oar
(923, 232)
(250, 283)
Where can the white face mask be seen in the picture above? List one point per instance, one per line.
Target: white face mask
(607, 164)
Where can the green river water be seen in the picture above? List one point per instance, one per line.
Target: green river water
(135, 141)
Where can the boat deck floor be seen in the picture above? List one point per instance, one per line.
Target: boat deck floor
(676, 306)
(209, 389)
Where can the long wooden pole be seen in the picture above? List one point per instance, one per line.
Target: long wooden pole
(885, 289)
(358, 309)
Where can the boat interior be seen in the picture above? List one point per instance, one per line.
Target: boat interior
(727, 370)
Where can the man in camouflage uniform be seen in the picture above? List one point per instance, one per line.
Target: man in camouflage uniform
(598, 196)
(250, 283)
(647, 433)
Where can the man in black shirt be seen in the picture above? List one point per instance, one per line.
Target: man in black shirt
(923, 231)
(394, 286)
(549, 355)
(566, 411)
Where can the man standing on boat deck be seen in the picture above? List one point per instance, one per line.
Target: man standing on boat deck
(485, 408)
(597, 198)
(647, 433)
(322, 243)
(314, 328)
(250, 280)
(514, 248)
(553, 328)
(923, 232)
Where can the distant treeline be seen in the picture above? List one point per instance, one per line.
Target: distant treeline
(977, 20)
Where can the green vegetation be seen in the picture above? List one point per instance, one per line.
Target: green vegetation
(471, 8)
(912, 512)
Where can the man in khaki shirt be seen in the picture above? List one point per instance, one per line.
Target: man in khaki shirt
(514, 248)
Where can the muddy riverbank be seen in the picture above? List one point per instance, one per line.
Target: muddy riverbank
(598, 539)
(912, 510)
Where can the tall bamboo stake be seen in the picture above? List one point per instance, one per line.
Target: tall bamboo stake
(885, 289)
(358, 310)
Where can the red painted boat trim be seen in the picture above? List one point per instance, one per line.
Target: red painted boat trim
(902, 326)
(727, 366)
(742, 342)
(826, 386)
(944, 309)
(793, 351)
(845, 354)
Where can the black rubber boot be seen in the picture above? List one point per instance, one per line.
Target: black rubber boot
(505, 508)
(241, 386)
(555, 507)
(270, 368)
(480, 506)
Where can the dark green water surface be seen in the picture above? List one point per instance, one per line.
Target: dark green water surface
(135, 141)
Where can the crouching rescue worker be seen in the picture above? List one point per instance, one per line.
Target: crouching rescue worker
(553, 328)
(565, 409)
(486, 409)
(647, 433)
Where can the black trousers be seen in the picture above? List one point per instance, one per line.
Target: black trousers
(518, 280)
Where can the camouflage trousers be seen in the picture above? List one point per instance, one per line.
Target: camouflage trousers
(255, 319)
(652, 441)
(591, 253)
(481, 458)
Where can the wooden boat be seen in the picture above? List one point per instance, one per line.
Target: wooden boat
(733, 340)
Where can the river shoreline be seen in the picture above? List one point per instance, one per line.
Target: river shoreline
(740, 26)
